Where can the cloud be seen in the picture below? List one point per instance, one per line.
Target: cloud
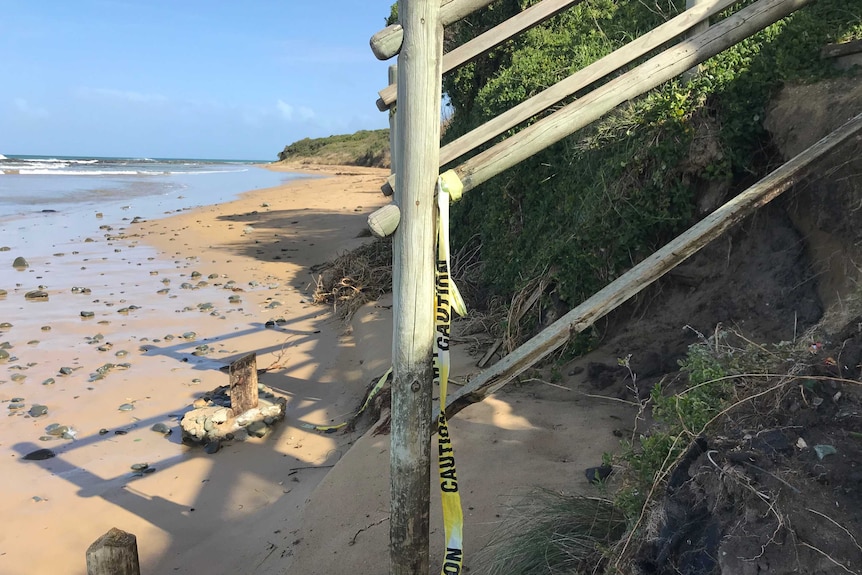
(124, 95)
(25, 108)
(291, 113)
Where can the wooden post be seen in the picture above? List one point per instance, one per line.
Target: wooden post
(649, 270)
(114, 553)
(689, 75)
(413, 260)
(243, 384)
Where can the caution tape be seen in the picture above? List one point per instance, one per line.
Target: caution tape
(372, 393)
(447, 300)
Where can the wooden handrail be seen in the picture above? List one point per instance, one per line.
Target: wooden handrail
(667, 65)
(648, 271)
(387, 42)
(532, 16)
(583, 78)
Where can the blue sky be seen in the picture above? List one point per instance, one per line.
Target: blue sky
(185, 78)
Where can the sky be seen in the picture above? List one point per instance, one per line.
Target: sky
(185, 78)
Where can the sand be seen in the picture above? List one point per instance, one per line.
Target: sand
(296, 501)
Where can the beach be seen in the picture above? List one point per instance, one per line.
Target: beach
(176, 296)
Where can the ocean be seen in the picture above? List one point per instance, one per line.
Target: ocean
(56, 199)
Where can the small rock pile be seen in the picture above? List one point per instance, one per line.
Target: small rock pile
(213, 421)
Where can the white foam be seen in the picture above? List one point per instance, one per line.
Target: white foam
(55, 172)
(2, 157)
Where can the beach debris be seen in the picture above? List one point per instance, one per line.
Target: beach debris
(824, 450)
(20, 263)
(36, 295)
(40, 455)
(38, 410)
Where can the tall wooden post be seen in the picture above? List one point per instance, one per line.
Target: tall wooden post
(417, 158)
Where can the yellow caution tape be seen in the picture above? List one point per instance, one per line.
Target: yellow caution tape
(448, 299)
(371, 395)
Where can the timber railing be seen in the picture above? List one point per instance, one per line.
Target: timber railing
(417, 158)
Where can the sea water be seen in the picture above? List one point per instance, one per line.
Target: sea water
(53, 200)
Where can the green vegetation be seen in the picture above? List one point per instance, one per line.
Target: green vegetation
(363, 148)
(591, 206)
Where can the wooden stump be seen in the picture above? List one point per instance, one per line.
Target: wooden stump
(243, 384)
(114, 553)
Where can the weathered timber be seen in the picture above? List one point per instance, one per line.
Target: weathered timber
(649, 270)
(387, 42)
(393, 78)
(641, 79)
(838, 50)
(582, 78)
(243, 384)
(417, 150)
(114, 553)
(384, 221)
(532, 16)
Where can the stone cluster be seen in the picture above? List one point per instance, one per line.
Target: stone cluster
(212, 420)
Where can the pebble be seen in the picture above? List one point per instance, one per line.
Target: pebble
(162, 428)
(212, 447)
(126, 407)
(5, 249)
(40, 454)
(122, 353)
(66, 371)
(257, 428)
(18, 377)
(20, 263)
(4, 356)
(3, 293)
(88, 314)
(103, 431)
(139, 466)
(49, 381)
(15, 405)
(46, 328)
(38, 410)
(189, 335)
(36, 295)
(5, 345)
(5, 325)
